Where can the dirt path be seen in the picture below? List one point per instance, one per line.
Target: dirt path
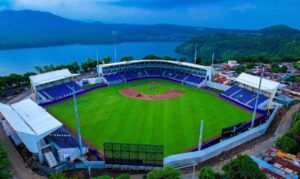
(131, 93)
(286, 121)
(21, 170)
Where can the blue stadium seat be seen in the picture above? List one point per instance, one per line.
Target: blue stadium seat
(244, 96)
(60, 91)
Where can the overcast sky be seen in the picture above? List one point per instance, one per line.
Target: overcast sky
(242, 14)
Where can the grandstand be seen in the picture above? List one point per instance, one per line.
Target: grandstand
(245, 92)
(181, 72)
(53, 85)
(27, 123)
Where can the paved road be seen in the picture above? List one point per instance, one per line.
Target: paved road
(19, 166)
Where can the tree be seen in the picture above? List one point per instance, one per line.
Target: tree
(39, 69)
(198, 60)
(240, 69)
(26, 77)
(74, 67)
(124, 176)
(168, 58)
(106, 60)
(250, 65)
(286, 143)
(127, 58)
(183, 59)
(57, 176)
(151, 57)
(164, 173)
(102, 177)
(207, 173)
(5, 164)
(283, 69)
(242, 167)
(89, 65)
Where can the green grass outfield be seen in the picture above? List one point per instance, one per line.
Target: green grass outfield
(107, 116)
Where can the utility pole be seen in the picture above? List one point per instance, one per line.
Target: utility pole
(256, 102)
(77, 122)
(195, 55)
(200, 135)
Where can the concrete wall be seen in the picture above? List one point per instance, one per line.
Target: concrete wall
(217, 86)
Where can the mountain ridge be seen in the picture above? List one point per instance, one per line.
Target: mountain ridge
(275, 42)
(27, 28)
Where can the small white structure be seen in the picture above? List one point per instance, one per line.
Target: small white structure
(30, 122)
(91, 81)
(232, 63)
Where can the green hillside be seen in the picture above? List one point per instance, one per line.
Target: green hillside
(274, 42)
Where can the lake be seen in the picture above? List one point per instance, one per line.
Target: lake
(24, 60)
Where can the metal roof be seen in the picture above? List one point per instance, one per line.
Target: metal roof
(165, 61)
(253, 81)
(50, 77)
(30, 122)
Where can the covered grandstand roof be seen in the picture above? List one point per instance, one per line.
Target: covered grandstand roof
(166, 61)
(50, 77)
(253, 81)
(30, 121)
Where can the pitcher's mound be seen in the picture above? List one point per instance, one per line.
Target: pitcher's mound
(131, 93)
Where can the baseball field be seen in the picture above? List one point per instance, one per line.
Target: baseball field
(149, 114)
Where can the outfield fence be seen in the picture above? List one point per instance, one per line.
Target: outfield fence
(192, 158)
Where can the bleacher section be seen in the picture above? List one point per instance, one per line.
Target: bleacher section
(62, 138)
(60, 91)
(243, 96)
(178, 76)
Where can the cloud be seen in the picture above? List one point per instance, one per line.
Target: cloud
(161, 4)
(243, 7)
(206, 13)
(5, 4)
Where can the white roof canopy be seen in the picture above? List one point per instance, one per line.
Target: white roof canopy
(30, 121)
(253, 81)
(166, 61)
(45, 78)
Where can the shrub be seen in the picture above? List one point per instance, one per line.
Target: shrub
(164, 173)
(207, 173)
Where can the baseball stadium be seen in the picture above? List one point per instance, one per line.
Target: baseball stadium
(150, 103)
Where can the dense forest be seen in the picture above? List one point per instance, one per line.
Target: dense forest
(276, 43)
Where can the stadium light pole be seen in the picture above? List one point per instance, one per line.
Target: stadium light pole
(97, 63)
(195, 54)
(212, 65)
(256, 101)
(200, 135)
(77, 121)
(114, 33)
